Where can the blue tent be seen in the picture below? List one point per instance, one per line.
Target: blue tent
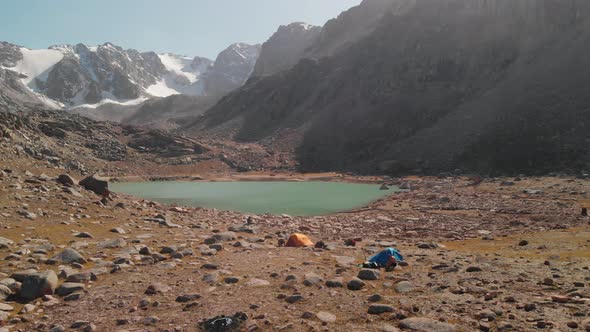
(382, 258)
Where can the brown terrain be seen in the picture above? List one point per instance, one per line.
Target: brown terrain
(500, 255)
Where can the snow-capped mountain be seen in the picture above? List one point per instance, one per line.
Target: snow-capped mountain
(71, 76)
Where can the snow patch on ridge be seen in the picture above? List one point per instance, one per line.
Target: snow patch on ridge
(36, 64)
(130, 102)
(161, 89)
(179, 65)
(183, 77)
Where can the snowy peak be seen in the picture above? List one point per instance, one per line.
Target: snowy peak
(79, 75)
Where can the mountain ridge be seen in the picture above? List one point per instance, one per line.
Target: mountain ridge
(71, 76)
(397, 100)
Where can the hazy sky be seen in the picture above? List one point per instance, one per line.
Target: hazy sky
(189, 27)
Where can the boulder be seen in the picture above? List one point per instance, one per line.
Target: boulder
(35, 285)
(335, 283)
(5, 243)
(355, 284)
(426, 325)
(67, 256)
(404, 287)
(96, 184)
(110, 244)
(257, 283)
(4, 292)
(368, 274)
(21, 275)
(66, 180)
(12, 284)
(378, 309)
(68, 288)
(225, 236)
(326, 317)
(312, 279)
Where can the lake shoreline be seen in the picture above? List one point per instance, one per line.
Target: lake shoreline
(256, 177)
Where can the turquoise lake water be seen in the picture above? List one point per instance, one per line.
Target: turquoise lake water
(293, 198)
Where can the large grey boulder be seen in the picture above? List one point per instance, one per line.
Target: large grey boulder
(35, 285)
(67, 256)
(96, 184)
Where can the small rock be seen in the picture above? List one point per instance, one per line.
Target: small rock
(257, 283)
(378, 309)
(312, 279)
(355, 284)
(326, 317)
(404, 287)
(423, 324)
(335, 283)
(231, 280)
(188, 298)
(472, 269)
(68, 288)
(368, 274)
(111, 244)
(294, 298)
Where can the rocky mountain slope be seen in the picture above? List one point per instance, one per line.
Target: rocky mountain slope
(480, 85)
(297, 41)
(285, 48)
(73, 76)
(79, 144)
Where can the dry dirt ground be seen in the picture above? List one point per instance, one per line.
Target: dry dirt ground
(491, 257)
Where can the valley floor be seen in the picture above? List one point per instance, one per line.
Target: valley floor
(497, 256)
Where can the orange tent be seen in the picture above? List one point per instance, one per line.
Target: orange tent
(299, 240)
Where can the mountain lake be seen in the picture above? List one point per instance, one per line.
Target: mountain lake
(292, 198)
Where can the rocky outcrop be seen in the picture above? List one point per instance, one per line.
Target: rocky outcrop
(166, 145)
(285, 48)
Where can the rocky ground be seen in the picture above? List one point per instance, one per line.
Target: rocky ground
(500, 255)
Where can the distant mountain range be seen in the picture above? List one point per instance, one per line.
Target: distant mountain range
(73, 76)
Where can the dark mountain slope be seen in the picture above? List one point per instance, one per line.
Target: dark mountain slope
(485, 85)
